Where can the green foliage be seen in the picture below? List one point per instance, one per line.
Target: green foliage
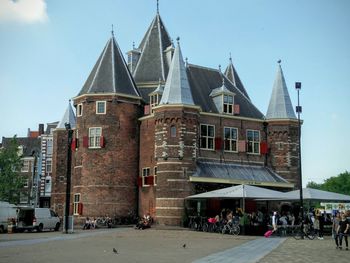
(10, 179)
(338, 184)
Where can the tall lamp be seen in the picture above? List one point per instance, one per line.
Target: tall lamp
(68, 183)
(299, 110)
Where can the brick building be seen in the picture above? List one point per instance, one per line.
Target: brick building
(153, 130)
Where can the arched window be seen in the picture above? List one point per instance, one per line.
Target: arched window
(173, 131)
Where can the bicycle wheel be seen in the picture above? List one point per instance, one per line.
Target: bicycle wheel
(311, 234)
(235, 230)
(298, 234)
(205, 227)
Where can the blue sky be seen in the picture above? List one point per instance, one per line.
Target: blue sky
(48, 48)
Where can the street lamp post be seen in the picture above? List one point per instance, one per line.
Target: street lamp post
(299, 110)
(68, 183)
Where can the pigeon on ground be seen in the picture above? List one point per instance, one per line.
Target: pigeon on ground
(115, 251)
(184, 245)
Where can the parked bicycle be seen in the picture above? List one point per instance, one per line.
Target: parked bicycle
(308, 231)
(231, 228)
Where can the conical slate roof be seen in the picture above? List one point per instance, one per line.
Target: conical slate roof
(152, 64)
(177, 89)
(280, 106)
(110, 73)
(232, 75)
(68, 117)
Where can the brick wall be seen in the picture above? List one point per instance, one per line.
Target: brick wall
(106, 177)
(59, 170)
(283, 144)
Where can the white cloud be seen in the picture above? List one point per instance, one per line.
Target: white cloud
(26, 11)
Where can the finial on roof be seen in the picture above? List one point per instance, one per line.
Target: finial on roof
(186, 61)
(220, 68)
(133, 45)
(178, 40)
(223, 80)
(230, 58)
(279, 61)
(70, 101)
(157, 6)
(112, 31)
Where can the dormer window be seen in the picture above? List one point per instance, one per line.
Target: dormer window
(154, 100)
(228, 104)
(223, 99)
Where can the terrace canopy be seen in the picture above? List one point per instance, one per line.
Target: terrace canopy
(240, 191)
(315, 195)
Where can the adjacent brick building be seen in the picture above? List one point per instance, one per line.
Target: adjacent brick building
(153, 130)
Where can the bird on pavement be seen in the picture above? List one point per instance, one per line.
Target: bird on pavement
(115, 251)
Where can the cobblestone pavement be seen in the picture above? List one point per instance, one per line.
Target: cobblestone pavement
(163, 245)
(305, 251)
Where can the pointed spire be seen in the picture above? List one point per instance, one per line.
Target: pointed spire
(110, 73)
(157, 6)
(231, 75)
(68, 117)
(152, 47)
(280, 106)
(177, 88)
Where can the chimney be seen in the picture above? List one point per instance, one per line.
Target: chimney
(41, 129)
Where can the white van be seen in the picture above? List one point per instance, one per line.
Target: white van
(7, 211)
(38, 219)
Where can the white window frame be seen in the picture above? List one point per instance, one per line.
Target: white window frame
(26, 166)
(95, 137)
(48, 165)
(154, 100)
(255, 142)
(146, 171)
(173, 131)
(76, 202)
(230, 140)
(49, 146)
(229, 106)
(79, 110)
(155, 170)
(26, 183)
(104, 107)
(207, 137)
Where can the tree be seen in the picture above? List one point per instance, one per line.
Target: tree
(11, 182)
(338, 184)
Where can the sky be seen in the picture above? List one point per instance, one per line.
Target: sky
(48, 48)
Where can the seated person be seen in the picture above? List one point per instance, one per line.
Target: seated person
(87, 224)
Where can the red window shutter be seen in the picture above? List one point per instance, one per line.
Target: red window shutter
(263, 148)
(73, 145)
(218, 143)
(139, 181)
(146, 110)
(150, 180)
(86, 141)
(241, 146)
(80, 208)
(102, 141)
(236, 109)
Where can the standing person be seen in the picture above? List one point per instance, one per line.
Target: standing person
(343, 230)
(274, 221)
(335, 226)
(321, 220)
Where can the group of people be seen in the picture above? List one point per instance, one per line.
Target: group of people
(145, 222)
(90, 223)
(340, 230)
